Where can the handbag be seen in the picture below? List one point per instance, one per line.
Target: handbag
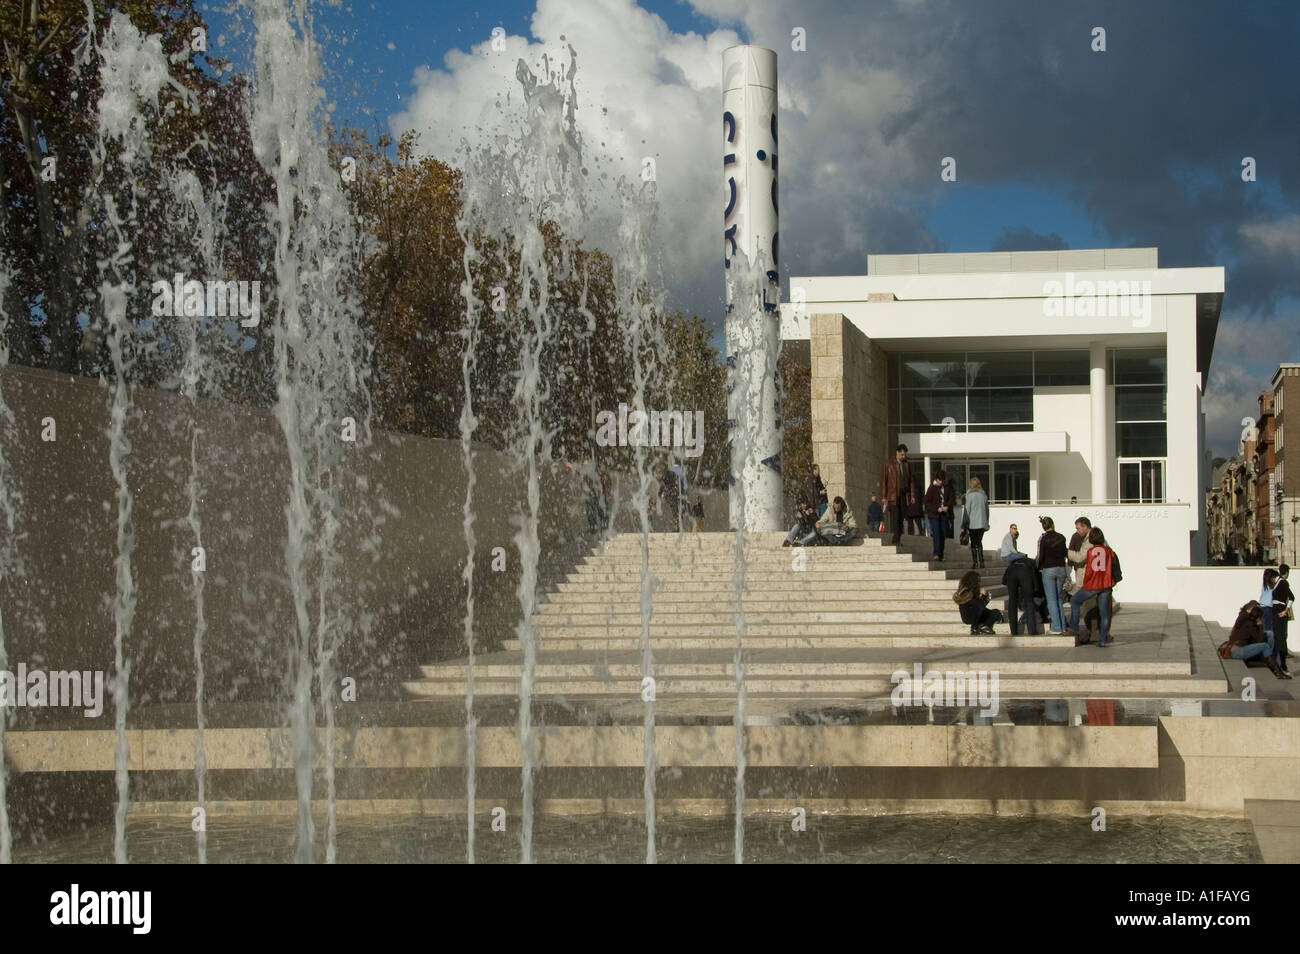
(964, 539)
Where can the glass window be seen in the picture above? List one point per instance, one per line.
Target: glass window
(1146, 403)
(1137, 366)
(1011, 481)
(1000, 369)
(1003, 406)
(923, 409)
(1142, 440)
(1057, 368)
(1142, 481)
(932, 371)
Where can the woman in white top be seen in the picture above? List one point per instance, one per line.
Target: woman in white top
(1266, 600)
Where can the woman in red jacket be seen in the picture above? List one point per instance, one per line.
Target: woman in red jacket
(1097, 581)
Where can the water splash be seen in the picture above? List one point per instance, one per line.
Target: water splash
(204, 214)
(745, 293)
(641, 311)
(468, 422)
(319, 358)
(520, 191)
(9, 503)
(133, 71)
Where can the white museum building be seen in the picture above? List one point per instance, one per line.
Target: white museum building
(1053, 376)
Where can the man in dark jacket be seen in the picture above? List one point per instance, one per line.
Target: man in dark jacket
(1019, 581)
(937, 508)
(897, 490)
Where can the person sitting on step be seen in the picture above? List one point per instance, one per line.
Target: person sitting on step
(1248, 640)
(837, 525)
(1010, 549)
(973, 604)
(804, 531)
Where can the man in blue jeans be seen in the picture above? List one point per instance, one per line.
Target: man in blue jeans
(1249, 640)
(1103, 610)
(937, 508)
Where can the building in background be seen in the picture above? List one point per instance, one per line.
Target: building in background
(1050, 375)
(1285, 503)
(1265, 482)
(1230, 509)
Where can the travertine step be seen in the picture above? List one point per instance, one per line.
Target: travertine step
(725, 625)
(573, 640)
(1107, 685)
(693, 588)
(806, 663)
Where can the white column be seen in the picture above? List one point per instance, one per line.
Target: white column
(750, 253)
(1099, 431)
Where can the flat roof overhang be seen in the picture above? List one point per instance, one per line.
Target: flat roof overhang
(1021, 325)
(986, 443)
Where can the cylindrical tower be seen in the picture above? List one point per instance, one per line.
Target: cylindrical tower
(750, 257)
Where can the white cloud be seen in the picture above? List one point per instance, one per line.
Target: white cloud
(1280, 237)
(642, 91)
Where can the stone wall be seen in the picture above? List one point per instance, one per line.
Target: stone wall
(402, 546)
(849, 408)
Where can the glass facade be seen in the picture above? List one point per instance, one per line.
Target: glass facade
(1005, 480)
(975, 390)
(1141, 431)
(971, 391)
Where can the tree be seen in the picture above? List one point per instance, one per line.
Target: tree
(52, 214)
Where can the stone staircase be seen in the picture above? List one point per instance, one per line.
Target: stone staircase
(822, 624)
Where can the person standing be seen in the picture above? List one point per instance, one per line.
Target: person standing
(815, 491)
(1283, 609)
(950, 519)
(1077, 548)
(1051, 566)
(896, 490)
(1097, 581)
(936, 513)
(916, 515)
(670, 499)
(1018, 578)
(977, 520)
(1266, 601)
(875, 515)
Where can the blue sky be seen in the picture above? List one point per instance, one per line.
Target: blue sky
(1058, 145)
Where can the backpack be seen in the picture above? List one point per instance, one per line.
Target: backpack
(1115, 574)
